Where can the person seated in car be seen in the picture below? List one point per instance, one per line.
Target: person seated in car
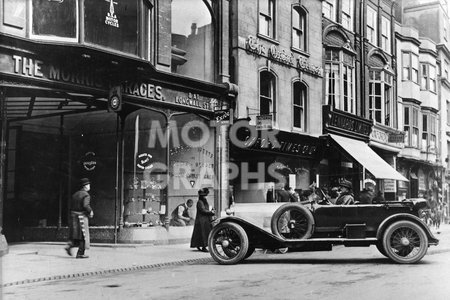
(346, 195)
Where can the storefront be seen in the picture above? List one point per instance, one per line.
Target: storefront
(266, 161)
(143, 158)
(347, 154)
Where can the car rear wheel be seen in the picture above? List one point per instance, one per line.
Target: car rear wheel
(228, 243)
(405, 242)
(292, 221)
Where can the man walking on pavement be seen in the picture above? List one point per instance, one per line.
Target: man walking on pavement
(80, 210)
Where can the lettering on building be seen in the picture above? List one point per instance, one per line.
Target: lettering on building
(143, 90)
(282, 56)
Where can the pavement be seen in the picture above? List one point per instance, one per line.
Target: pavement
(46, 261)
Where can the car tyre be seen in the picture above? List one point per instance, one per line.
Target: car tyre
(250, 251)
(405, 242)
(292, 221)
(380, 248)
(228, 243)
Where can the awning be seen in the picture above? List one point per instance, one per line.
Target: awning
(365, 156)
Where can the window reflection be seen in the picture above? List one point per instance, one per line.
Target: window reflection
(55, 19)
(192, 39)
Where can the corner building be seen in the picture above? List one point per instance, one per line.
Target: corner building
(121, 92)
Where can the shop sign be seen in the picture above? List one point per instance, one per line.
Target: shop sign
(397, 138)
(89, 161)
(279, 142)
(264, 122)
(252, 45)
(339, 121)
(389, 186)
(144, 161)
(150, 91)
(32, 68)
(111, 18)
(387, 138)
(222, 117)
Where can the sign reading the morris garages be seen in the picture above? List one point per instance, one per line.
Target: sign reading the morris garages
(282, 56)
(32, 68)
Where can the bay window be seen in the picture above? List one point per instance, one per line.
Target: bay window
(54, 20)
(411, 126)
(192, 39)
(428, 77)
(339, 80)
(410, 67)
(380, 97)
(428, 132)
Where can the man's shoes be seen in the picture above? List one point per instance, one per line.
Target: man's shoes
(68, 248)
(82, 256)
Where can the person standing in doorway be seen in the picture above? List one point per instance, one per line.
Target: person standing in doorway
(80, 211)
(202, 225)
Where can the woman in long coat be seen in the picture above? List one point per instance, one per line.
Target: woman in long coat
(202, 226)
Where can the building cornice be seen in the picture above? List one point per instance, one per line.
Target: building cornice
(407, 39)
(428, 51)
(443, 48)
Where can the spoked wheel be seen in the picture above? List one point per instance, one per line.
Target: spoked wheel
(228, 243)
(405, 242)
(292, 221)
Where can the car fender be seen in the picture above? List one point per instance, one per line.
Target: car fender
(388, 221)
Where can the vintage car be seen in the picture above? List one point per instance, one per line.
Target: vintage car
(395, 228)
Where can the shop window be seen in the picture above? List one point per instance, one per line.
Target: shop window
(410, 67)
(371, 27)
(411, 126)
(380, 97)
(112, 24)
(191, 161)
(339, 80)
(347, 14)
(192, 39)
(145, 169)
(57, 20)
(428, 77)
(267, 18)
(267, 93)
(329, 9)
(299, 105)
(299, 27)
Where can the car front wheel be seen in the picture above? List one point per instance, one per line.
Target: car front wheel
(228, 243)
(405, 242)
